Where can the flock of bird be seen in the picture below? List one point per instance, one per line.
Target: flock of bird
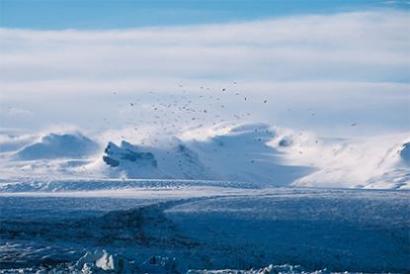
(177, 111)
(173, 112)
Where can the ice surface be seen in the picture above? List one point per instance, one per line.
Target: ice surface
(305, 229)
(63, 186)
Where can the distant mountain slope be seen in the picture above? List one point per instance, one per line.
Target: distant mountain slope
(242, 154)
(405, 153)
(252, 153)
(52, 146)
(132, 161)
(380, 162)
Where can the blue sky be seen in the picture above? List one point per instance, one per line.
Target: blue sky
(102, 14)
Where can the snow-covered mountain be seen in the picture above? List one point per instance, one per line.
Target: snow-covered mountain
(53, 146)
(241, 154)
(134, 161)
(405, 153)
(254, 153)
(379, 162)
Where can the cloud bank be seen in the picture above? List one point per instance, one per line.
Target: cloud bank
(365, 47)
(359, 58)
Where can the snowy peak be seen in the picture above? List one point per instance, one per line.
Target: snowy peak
(133, 161)
(127, 153)
(53, 146)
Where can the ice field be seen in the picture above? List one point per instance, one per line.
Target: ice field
(179, 226)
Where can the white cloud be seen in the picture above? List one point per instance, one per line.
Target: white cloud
(371, 46)
(295, 60)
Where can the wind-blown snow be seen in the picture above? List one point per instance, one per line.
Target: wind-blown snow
(12, 142)
(242, 154)
(377, 162)
(255, 153)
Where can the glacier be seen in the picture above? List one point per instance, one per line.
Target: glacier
(178, 227)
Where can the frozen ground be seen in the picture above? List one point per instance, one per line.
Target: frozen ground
(162, 226)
